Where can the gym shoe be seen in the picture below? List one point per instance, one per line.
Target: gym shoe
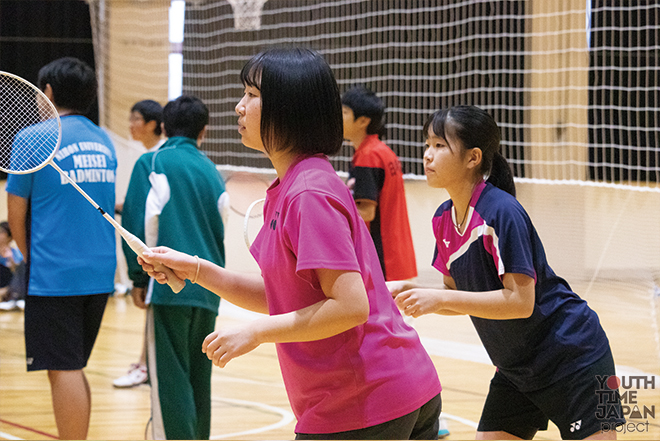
(137, 374)
(8, 305)
(443, 431)
(120, 289)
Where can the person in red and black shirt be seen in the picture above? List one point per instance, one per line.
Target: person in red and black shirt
(376, 180)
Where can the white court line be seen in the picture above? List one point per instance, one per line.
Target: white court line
(437, 347)
(434, 346)
(248, 381)
(228, 309)
(287, 417)
(4, 435)
(459, 419)
(456, 350)
(477, 354)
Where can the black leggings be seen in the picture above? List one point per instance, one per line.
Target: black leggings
(420, 424)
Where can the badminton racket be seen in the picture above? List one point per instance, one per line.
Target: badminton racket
(30, 135)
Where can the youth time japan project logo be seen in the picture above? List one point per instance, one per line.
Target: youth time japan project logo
(637, 414)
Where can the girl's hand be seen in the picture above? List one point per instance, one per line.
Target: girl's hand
(183, 265)
(419, 301)
(398, 286)
(222, 346)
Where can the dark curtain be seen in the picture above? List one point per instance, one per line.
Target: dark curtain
(36, 32)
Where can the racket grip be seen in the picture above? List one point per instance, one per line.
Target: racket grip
(139, 247)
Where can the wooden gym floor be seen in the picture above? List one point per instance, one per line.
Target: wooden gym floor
(249, 400)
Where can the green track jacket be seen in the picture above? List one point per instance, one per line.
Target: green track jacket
(176, 198)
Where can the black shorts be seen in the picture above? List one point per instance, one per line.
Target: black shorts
(571, 403)
(60, 331)
(422, 423)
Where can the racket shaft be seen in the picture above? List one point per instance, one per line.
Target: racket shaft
(134, 242)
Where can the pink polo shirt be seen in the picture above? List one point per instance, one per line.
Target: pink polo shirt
(367, 375)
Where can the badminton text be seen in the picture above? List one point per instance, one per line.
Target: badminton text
(90, 162)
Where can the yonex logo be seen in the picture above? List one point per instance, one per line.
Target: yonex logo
(576, 425)
(273, 222)
(446, 242)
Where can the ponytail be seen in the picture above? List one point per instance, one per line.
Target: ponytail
(501, 175)
(475, 128)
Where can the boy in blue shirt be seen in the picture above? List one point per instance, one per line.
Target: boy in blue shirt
(69, 248)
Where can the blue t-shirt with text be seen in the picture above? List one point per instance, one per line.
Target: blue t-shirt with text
(72, 247)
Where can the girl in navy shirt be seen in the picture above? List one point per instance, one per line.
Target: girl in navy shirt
(547, 344)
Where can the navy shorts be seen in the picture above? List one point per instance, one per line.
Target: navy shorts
(571, 403)
(60, 331)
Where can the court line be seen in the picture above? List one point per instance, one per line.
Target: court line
(231, 379)
(477, 354)
(29, 429)
(287, 417)
(437, 347)
(4, 435)
(434, 346)
(458, 419)
(461, 420)
(456, 350)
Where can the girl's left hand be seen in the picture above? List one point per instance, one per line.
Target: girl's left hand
(419, 301)
(224, 345)
(398, 286)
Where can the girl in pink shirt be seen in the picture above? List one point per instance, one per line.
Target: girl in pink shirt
(351, 366)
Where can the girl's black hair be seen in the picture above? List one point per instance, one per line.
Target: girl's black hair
(474, 127)
(151, 111)
(300, 101)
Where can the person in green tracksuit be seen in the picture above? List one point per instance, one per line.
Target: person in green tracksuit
(176, 198)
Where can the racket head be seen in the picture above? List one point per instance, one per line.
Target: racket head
(253, 221)
(244, 188)
(30, 128)
(247, 191)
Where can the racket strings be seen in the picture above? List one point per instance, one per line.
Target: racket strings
(29, 128)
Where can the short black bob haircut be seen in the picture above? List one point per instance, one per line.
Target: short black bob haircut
(151, 111)
(300, 101)
(185, 116)
(73, 83)
(364, 102)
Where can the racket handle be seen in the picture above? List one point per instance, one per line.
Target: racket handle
(139, 247)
